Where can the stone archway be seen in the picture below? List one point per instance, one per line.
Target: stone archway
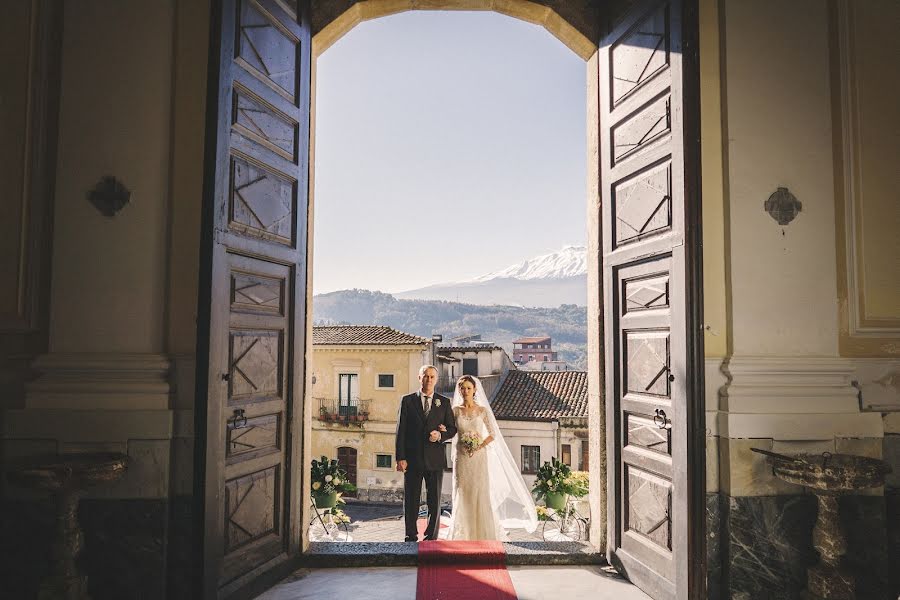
(575, 24)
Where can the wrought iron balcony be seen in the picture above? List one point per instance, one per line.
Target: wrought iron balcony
(343, 411)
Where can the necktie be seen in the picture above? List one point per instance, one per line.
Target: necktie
(427, 404)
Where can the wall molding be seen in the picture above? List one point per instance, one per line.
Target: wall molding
(878, 382)
(100, 381)
(792, 398)
(860, 323)
(32, 263)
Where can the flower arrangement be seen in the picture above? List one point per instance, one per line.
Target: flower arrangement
(339, 516)
(470, 442)
(558, 479)
(328, 478)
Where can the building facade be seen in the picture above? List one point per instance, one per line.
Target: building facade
(489, 362)
(530, 349)
(544, 415)
(359, 374)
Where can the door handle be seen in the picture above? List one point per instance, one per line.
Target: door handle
(660, 419)
(239, 420)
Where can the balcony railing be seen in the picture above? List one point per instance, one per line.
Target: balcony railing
(345, 412)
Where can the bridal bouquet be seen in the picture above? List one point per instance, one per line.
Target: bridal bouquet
(470, 442)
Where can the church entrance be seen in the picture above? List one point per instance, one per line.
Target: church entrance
(645, 285)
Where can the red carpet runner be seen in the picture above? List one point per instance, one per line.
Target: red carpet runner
(463, 571)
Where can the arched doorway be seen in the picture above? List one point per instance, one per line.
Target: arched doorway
(644, 283)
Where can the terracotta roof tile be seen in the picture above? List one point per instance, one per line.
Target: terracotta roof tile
(364, 335)
(469, 348)
(541, 396)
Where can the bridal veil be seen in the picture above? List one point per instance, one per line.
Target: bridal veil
(510, 497)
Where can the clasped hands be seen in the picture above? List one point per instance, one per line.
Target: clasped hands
(435, 436)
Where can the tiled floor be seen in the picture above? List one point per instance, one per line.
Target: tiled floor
(399, 583)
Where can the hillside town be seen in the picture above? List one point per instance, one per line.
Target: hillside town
(360, 372)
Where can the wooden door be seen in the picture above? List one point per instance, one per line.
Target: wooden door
(252, 305)
(347, 461)
(649, 132)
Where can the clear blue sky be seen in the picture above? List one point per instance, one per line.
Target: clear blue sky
(448, 145)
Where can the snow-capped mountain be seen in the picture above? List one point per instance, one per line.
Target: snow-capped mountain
(571, 261)
(547, 280)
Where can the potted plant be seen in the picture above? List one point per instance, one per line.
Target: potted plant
(323, 413)
(364, 415)
(556, 482)
(329, 481)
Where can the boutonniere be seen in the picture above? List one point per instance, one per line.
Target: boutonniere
(437, 401)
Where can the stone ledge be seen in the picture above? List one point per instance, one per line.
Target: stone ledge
(552, 553)
(405, 554)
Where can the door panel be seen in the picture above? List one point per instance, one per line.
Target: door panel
(347, 458)
(252, 306)
(650, 199)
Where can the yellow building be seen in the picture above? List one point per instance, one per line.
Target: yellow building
(360, 372)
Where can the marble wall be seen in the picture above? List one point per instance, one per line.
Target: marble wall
(759, 547)
(125, 547)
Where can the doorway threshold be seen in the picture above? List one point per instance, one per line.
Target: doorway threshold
(406, 554)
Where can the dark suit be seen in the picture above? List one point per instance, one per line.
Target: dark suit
(425, 460)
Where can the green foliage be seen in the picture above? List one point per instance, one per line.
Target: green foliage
(558, 478)
(328, 478)
(566, 324)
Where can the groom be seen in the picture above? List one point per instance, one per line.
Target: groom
(420, 451)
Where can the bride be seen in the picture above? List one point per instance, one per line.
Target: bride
(489, 494)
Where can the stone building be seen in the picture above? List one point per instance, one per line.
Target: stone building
(489, 362)
(359, 375)
(543, 415)
(529, 349)
(742, 278)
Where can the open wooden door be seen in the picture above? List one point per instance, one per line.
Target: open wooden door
(649, 140)
(252, 305)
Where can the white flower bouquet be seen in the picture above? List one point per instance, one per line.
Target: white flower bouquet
(470, 442)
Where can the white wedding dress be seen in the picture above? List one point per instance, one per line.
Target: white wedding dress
(489, 494)
(473, 514)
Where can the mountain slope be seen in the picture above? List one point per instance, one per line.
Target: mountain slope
(571, 261)
(567, 324)
(544, 281)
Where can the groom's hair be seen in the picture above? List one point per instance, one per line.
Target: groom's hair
(424, 368)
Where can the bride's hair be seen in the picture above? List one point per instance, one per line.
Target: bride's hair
(468, 378)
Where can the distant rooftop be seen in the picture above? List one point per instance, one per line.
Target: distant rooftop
(364, 335)
(473, 348)
(541, 396)
(467, 338)
(531, 340)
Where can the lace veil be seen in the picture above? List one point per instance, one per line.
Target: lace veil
(510, 497)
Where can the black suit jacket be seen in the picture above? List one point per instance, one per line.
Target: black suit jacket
(413, 429)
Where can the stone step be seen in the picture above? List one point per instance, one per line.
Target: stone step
(405, 554)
